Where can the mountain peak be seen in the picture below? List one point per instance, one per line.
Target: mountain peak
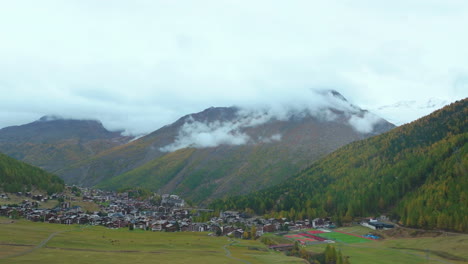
(47, 118)
(337, 95)
(52, 118)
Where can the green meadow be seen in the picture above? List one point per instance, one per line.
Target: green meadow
(26, 242)
(23, 241)
(452, 248)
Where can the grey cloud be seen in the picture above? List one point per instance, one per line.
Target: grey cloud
(139, 65)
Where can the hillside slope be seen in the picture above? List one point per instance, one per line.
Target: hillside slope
(18, 176)
(228, 150)
(53, 143)
(417, 172)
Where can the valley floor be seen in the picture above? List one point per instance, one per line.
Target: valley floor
(428, 247)
(22, 241)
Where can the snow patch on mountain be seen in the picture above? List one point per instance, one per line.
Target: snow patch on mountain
(404, 112)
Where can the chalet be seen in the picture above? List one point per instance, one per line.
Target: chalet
(172, 200)
(53, 220)
(184, 227)
(282, 247)
(141, 224)
(159, 225)
(172, 228)
(268, 228)
(259, 230)
(215, 228)
(238, 233)
(380, 225)
(376, 225)
(318, 222)
(228, 229)
(229, 214)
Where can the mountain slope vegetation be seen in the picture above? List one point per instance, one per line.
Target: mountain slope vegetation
(18, 176)
(201, 173)
(273, 149)
(53, 143)
(417, 172)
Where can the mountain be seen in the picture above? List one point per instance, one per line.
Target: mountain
(404, 112)
(230, 150)
(18, 176)
(53, 142)
(417, 172)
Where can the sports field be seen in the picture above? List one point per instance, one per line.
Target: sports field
(450, 249)
(344, 238)
(28, 242)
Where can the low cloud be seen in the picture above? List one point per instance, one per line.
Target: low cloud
(275, 137)
(198, 134)
(364, 123)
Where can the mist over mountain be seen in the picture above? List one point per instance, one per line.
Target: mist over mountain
(230, 149)
(228, 128)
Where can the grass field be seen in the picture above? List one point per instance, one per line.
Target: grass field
(344, 238)
(26, 242)
(443, 249)
(356, 230)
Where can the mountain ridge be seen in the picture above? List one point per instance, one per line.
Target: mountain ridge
(53, 142)
(220, 150)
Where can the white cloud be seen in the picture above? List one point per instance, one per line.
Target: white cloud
(139, 65)
(201, 135)
(364, 123)
(197, 134)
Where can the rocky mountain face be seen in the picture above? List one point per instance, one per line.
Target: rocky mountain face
(229, 150)
(53, 143)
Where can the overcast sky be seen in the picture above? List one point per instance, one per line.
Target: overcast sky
(138, 65)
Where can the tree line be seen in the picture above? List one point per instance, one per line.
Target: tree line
(17, 176)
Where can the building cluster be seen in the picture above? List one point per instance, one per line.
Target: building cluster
(233, 223)
(167, 213)
(116, 210)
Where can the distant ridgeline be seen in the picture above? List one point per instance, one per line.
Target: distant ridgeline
(417, 173)
(16, 176)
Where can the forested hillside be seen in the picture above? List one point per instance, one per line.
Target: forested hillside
(18, 176)
(416, 172)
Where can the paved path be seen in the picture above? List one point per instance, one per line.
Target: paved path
(43, 242)
(40, 245)
(229, 255)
